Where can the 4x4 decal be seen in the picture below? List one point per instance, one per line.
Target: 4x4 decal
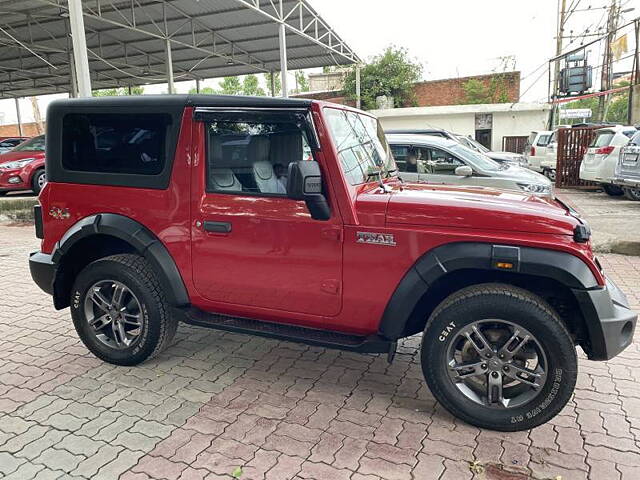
(376, 238)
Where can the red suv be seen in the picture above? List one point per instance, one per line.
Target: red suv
(286, 219)
(23, 167)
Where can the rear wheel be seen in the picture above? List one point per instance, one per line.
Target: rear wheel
(632, 193)
(38, 181)
(119, 310)
(498, 357)
(612, 190)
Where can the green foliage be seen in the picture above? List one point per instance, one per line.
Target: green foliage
(237, 472)
(618, 107)
(230, 86)
(391, 73)
(115, 92)
(250, 86)
(478, 92)
(278, 83)
(302, 83)
(203, 91)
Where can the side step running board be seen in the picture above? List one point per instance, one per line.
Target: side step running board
(293, 333)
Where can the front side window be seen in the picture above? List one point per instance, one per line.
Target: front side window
(361, 145)
(114, 143)
(36, 144)
(475, 159)
(252, 157)
(439, 162)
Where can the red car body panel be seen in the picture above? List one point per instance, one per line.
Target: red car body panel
(25, 173)
(278, 264)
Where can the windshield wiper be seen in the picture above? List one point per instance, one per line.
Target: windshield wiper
(378, 173)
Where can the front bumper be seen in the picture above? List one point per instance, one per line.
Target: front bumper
(42, 270)
(12, 180)
(610, 321)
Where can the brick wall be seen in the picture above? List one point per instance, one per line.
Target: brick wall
(449, 91)
(28, 130)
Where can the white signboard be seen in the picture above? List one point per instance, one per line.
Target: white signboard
(576, 113)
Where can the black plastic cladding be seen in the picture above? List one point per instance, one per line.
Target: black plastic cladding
(173, 105)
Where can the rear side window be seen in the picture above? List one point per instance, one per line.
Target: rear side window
(115, 143)
(635, 140)
(543, 141)
(602, 139)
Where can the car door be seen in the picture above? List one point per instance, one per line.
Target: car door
(440, 166)
(251, 245)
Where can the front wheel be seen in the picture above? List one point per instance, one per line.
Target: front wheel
(120, 311)
(38, 181)
(498, 357)
(632, 193)
(550, 174)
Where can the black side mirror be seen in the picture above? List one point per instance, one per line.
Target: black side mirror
(304, 182)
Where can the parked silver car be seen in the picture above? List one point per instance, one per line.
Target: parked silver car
(428, 159)
(627, 173)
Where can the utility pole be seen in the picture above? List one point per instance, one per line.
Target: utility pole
(562, 12)
(607, 60)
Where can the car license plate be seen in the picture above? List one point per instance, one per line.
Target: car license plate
(630, 158)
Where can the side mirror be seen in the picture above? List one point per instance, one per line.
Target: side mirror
(464, 171)
(304, 182)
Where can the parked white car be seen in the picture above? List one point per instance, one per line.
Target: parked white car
(500, 157)
(536, 150)
(600, 160)
(628, 168)
(428, 159)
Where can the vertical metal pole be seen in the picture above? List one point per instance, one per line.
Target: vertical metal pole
(197, 85)
(74, 82)
(172, 87)
(15, 99)
(358, 100)
(283, 59)
(81, 61)
(273, 83)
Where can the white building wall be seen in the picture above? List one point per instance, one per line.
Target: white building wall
(508, 120)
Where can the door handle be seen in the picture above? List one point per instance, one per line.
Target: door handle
(217, 227)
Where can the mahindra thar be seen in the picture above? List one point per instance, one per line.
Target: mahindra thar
(287, 219)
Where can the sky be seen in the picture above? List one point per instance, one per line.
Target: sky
(452, 38)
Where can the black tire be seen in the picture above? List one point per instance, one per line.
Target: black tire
(550, 174)
(612, 190)
(158, 326)
(632, 193)
(36, 184)
(2, 194)
(525, 310)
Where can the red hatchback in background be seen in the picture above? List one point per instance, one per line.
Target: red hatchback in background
(23, 167)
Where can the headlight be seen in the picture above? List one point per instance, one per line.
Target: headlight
(16, 163)
(535, 188)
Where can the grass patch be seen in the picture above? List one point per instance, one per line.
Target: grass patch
(18, 210)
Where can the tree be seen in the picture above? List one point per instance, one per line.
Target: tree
(617, 112)
(230, 86)
(278, 83)
(302, 82)
(250, 86)
(391, 73)
(478, 92)
(116, 92)
(203, 91)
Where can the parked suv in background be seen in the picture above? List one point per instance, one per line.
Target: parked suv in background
(434, 160)
(23, 167)
(600, 160)
(627, 174)
(536, 149)
(285, 218)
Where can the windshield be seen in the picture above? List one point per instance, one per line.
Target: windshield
(478, 146)
(361, 145)
(35, 144)
(476, 159)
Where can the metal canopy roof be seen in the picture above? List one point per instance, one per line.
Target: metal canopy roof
(126, 41)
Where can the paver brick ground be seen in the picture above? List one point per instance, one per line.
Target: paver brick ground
(217, 403)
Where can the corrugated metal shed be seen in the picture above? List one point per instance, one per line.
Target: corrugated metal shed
(126, 41)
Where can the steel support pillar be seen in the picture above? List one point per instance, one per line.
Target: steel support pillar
(169, 62)
(197, 85)
(283, 58)
(358, 102)
(81, 61)
(19, 116)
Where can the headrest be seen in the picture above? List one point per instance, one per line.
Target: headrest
(222, 177)
(263, 170)
(259, 148)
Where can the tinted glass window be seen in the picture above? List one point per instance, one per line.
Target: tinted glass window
(36, 144)
(602, 139)
(438, 162)
(635, 140)
(410, 159)
(115, 143)
(629, 133)
(253, 158)
(361, 144)
(543, 141)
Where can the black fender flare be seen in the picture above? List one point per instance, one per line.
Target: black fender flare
(136, 235)
(567, 269)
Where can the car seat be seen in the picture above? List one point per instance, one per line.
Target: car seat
(263, 173)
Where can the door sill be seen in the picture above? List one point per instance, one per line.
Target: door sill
(293, 333)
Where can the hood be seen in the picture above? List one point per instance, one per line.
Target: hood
(11, 156)
(477, 208)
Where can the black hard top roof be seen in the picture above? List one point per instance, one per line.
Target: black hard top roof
(181, 101)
